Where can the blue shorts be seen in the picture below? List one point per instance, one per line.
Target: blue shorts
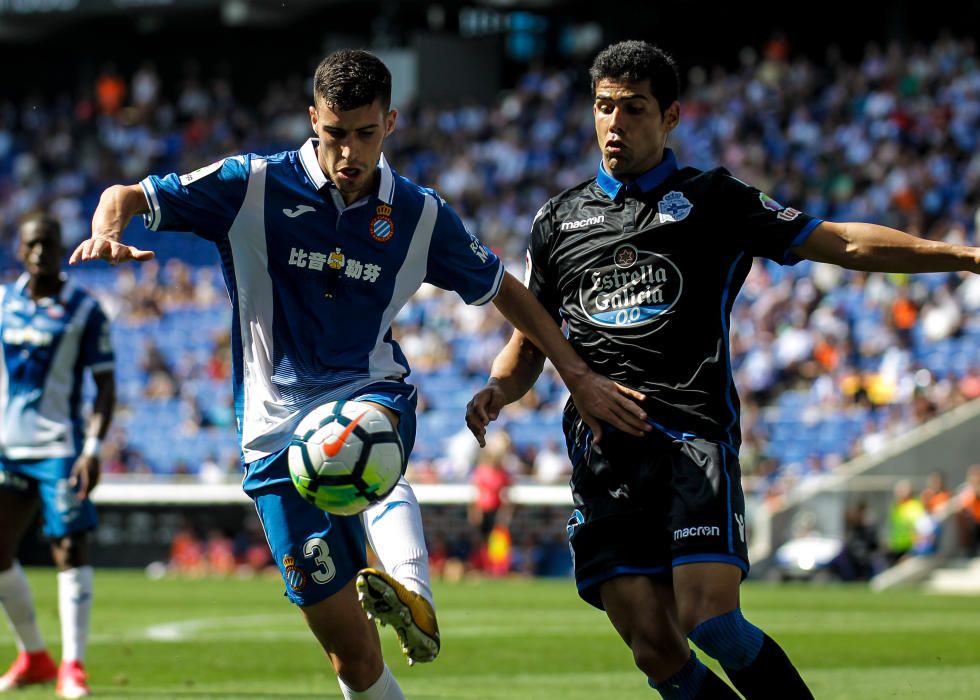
(318, 553)
(64, 511)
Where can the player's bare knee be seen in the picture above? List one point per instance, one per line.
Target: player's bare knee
(659, 654)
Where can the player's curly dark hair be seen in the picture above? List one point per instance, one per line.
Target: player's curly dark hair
(352, 78)
(635, 61)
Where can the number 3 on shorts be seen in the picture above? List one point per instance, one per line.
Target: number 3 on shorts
(318, 550)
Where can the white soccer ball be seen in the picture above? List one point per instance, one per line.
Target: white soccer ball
(345, 456)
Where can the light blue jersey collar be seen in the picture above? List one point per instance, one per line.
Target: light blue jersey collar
(645, 182)
(307, 157)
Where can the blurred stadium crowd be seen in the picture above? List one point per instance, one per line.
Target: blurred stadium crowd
(830, 364)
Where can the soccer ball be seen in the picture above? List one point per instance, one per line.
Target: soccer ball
(345, 456)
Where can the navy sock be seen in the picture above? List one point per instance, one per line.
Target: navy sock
(757, 666)
(771, 675)
(730, 638)
(685, 684)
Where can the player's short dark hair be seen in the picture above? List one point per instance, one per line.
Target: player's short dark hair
(352, 78)
(43, 221)
(635, 61)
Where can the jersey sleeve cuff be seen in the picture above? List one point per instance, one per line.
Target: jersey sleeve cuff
(495, 289)
(792, 258)
(153, 218)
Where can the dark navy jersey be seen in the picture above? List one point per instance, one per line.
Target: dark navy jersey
(644, 275)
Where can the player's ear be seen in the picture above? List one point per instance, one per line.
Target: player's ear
(672, 116)
(313, 116)
(390, 121)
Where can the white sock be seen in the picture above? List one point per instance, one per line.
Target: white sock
(394, 531)
(15, 595)
(75, 609)
(385, 688)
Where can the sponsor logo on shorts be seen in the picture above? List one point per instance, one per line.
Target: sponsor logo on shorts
(574, 522)
(621, 491)
(697, 531)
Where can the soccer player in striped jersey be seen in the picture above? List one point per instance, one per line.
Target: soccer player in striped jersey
(321, 246)
(643, 263)
(52, 333)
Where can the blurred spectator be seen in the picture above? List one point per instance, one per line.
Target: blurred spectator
(969, 513)
(903, 520)
(856, 561)
(490, 511)
(935, 495)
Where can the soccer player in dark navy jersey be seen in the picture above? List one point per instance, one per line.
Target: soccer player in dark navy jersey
(320, 248)
(642, 265)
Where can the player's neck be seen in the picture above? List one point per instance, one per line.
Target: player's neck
(42, 287)
(369, 188)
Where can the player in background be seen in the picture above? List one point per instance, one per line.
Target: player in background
(51, 333)
(643, 263)
(321, 247)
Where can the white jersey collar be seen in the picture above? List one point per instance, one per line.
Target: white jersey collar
(307, 157)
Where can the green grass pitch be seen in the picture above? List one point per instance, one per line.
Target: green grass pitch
(526, 639)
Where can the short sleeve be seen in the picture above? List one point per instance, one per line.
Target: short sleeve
(537, 272)
(96, 348)
(459, 262)
(205, 201)
(765, 228)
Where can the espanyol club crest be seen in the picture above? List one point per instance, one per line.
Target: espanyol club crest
(674, 207)
(382, 228)
(637, 288)
(295, 577)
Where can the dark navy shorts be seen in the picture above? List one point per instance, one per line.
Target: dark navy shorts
(645, 505)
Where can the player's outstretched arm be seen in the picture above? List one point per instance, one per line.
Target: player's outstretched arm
(874, 248)
(597, 398)
(514, 371)
(117, 206)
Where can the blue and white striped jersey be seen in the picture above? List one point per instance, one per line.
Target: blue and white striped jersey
(315, 284)
(47, 345)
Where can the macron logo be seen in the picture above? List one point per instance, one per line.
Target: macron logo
(581, 223)
(298, 211)
(697, 531)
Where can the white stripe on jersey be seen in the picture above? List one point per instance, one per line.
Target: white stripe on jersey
(263, 409)
(493, 290)
(151, 220)
(381, 362)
